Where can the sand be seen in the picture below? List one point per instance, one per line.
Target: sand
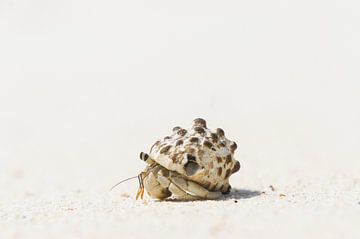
(271, 198)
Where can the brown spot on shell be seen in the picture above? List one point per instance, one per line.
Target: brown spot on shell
(200, 122)
(180, 158)
(182, 132)
(218, 159)
(222, 144)
(236, 167)
(176, 158)
(233, 147)
(173, 158)
(176, 129)
(201, 153)
(227, 174)
(155, 144)
(199, 130)
(162, 145)
(190, 150)
(208, 144)
(220, 132)
(228, 159)
(194, 140)
(214, 137)
(179, 142)
(167, 137)
(211, 164)
(165, 149)
(219, 171)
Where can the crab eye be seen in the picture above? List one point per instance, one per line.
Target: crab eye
(144, 156)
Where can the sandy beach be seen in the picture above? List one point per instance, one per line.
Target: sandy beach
(55, 181)
(86, 86)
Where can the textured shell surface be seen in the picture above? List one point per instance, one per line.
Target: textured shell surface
(199, 154)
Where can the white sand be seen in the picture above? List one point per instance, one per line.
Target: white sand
(319, 202)
(85, 86)
(66, 195)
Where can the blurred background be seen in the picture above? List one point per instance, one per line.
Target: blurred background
(86, 85)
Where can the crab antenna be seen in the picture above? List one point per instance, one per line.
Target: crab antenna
(122, 182)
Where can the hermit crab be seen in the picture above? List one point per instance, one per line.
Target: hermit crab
(190, 164)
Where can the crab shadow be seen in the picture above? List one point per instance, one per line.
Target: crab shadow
(241, 194)
(233, 195)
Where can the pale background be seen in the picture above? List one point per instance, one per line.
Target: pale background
(86, 85)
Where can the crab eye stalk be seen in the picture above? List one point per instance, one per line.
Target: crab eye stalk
(146, 158)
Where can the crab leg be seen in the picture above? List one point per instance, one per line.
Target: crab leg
(191, 190)
(154, 187)
(140, 192)
(180, 193)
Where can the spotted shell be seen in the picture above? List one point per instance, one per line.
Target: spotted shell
(199, 154)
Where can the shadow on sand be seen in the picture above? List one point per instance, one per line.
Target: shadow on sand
(242, 194)
(234, 194)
